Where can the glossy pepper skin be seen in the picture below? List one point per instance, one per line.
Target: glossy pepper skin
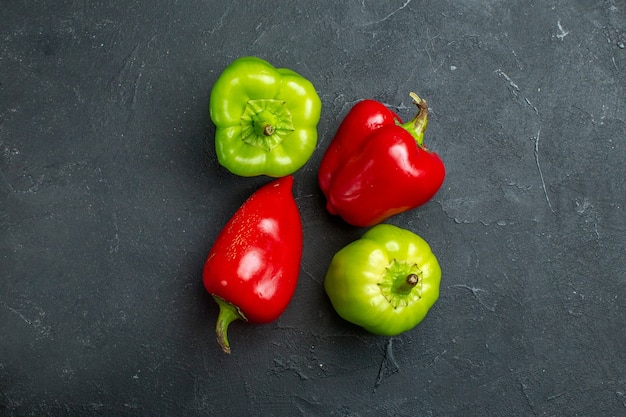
(377, 166)
(384, 282)
(253, 267)
(265, 117)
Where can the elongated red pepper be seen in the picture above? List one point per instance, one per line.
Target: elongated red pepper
(252, 269)
(377, 166)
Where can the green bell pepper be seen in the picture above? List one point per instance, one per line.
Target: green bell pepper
(384, 282)
(265, 117)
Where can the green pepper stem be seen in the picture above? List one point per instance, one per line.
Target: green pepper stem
(228, 313)
(268, 130)
(404, 286)
(417, 126)
(265, 123)
(400, 283)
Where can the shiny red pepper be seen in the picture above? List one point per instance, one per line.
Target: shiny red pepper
(253, 267)
(376, 166)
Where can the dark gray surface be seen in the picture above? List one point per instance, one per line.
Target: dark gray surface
(110, 198)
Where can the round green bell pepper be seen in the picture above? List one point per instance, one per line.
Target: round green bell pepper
(265, 117)
(384, 282)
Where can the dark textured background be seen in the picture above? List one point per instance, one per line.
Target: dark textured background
(111, 196)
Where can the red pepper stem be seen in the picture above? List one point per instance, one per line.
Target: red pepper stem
(228, 313)
(417, 126)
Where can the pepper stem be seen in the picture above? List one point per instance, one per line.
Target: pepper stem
(404, 286)
(228, 313)
(268, 130)
(401, 283)
(417, 126)
(265, 123)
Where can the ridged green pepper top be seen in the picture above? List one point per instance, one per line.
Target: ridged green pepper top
(384, 282)
(266, 118)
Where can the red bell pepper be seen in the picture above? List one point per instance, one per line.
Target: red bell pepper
(377, 166)
(253, 267)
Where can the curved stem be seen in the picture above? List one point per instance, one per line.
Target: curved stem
(417, 126)
(228, 313)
